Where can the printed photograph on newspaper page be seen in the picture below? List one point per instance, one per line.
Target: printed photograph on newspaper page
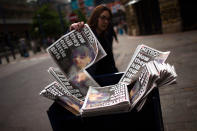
(81, 81)
(99, 97)
(74, 51)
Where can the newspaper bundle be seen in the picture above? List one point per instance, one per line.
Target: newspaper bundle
(76, 90)
(106, 100)
(153, 75)
(142, 55)
(56, 92)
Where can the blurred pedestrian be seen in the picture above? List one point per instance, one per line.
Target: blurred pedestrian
(49, 41)
(125, 27)
(3, 49)
(44, 41)
(23, 47)
(33, 46)
(100, 22)
(120, 28)
(10, 45)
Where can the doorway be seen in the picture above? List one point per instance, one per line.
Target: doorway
(188, 11)
(148, 16)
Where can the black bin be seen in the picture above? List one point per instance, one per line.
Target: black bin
(149, 118)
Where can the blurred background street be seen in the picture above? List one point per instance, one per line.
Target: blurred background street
(28, 27)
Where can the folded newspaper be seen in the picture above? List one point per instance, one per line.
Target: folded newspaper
(76, 90)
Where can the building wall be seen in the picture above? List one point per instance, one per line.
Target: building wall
(169, 13)
(131, 18)
(15, 14)
(132, 22)
(170, 16)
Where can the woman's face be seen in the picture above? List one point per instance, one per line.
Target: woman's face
(103, 21)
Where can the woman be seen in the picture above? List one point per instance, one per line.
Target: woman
(99, 22)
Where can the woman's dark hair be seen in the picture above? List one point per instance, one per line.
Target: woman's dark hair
(93, 20)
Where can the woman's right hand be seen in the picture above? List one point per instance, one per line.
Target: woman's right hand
(77, 26)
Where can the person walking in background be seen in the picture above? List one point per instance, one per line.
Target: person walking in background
(10, 45)
(125, 27)
(120, 30)
(23, 47)
(33, 46)
(100, 23)
(3, 50)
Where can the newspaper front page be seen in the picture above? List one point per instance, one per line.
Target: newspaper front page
(106, 100)
(142, 55)
(76, 51)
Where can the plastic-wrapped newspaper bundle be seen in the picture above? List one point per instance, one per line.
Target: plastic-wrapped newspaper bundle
(106, 100)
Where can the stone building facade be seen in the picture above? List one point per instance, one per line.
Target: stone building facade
(15, 16)
(159, 16)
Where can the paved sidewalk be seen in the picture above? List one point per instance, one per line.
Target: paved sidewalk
(19, 58)
(179, 102)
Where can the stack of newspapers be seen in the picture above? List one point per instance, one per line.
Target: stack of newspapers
(77, 91)
(105, 100)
